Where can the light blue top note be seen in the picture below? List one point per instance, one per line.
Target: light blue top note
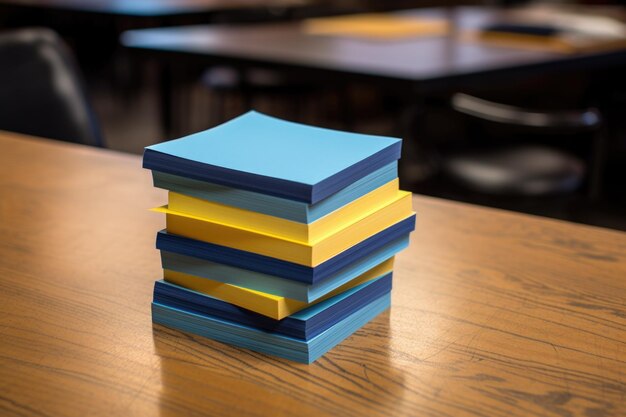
(258, 144)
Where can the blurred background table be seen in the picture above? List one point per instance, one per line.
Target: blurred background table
(493, 313)
(410, 69)
(145, 7)
(92, 27)
(411, 65)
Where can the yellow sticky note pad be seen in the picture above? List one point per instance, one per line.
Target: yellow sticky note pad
(312, 232)
(269, 305)
(557, 44)
(301, 252)
(382, 26)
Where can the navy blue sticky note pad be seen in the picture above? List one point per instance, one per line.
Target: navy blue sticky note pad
(248, 260)
(264, 154)
(304, 324)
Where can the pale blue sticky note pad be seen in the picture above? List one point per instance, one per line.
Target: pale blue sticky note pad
(273, 156)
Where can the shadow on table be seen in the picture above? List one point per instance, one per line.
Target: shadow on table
(199, 374)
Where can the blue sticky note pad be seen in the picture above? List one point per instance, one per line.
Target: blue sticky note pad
(271, 284)
(263, 154)
(299, 350)
(167, 242)
(296, 211)
(304, 324)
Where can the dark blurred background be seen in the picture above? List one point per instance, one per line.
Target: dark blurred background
(518, 105)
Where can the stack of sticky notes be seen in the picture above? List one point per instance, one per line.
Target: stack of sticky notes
(280, 237)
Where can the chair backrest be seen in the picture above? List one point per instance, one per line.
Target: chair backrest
(41, 90)
(589, 119)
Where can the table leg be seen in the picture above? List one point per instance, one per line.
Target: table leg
(165, 99)
(417, 162)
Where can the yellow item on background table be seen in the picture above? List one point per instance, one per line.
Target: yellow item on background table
(381, 26)
(555, 44)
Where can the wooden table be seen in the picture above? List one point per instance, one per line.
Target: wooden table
(494, 313)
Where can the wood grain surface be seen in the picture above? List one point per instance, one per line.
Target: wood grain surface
(494, 313)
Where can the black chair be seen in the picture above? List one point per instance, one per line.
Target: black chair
(525, 169)
(41, 90)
